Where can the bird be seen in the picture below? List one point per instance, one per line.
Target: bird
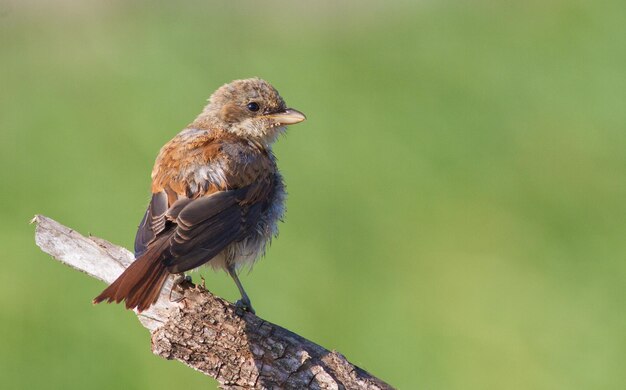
(217, 194)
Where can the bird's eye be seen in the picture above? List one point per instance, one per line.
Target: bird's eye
(252, 106)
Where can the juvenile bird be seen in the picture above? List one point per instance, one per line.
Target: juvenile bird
(217, 194)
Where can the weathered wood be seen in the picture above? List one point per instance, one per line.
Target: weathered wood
(209, 334)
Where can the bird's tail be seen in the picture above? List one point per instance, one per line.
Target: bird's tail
(141, 283)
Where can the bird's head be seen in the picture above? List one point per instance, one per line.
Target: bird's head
(249, 108)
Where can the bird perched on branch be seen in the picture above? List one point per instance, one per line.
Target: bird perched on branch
(217, 194)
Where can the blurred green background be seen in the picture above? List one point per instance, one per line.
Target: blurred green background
(457, 208)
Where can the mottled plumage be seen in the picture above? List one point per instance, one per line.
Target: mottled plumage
(217, 194)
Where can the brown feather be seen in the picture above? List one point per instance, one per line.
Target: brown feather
(141, 282)
(152, 224)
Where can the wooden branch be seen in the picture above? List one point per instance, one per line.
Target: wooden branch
(207, 333)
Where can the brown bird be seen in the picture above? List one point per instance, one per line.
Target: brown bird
(217, 194)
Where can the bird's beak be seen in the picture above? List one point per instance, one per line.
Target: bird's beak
(288, 117)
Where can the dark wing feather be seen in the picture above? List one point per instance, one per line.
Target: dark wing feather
(152, 224)
(177, 207)
(206, 207)
(209, 224)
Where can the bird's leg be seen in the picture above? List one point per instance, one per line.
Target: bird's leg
(244, 302)
(178, 280)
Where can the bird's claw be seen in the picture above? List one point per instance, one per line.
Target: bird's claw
(178, 282)
(243, 305)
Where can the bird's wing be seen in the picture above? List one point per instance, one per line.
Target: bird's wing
(205, 226)
(201, 228)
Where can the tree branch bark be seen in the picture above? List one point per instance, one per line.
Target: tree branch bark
(207, 333)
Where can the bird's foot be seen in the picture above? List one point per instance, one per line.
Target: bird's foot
(179, 281)
(243, 305)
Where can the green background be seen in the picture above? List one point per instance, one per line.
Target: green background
(457, 197)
